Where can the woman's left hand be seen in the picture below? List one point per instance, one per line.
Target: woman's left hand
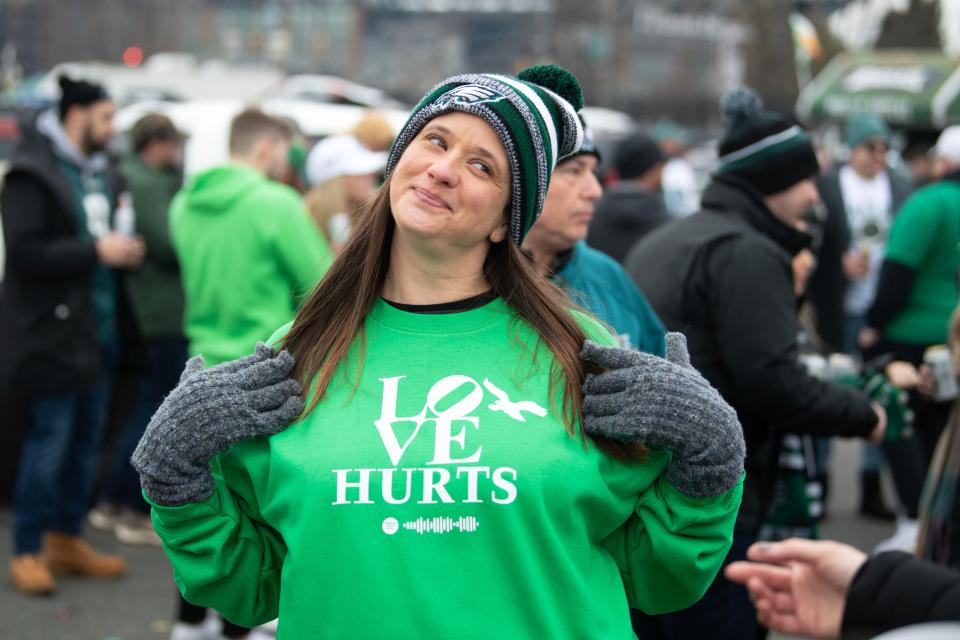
(666, 404)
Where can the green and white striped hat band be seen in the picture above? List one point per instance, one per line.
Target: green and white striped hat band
(534, 115)
(764, 148)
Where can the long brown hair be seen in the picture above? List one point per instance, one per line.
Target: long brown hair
(331, 319)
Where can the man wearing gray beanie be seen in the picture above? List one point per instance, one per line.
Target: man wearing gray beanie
(724, 277)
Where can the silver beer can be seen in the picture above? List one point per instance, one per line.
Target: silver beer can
(940, 361)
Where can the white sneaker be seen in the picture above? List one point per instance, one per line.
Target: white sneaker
(105, 516)
(137, 530)
(903, 539)
(184, 631)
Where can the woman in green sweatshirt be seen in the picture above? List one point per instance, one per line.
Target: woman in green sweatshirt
(489, 467)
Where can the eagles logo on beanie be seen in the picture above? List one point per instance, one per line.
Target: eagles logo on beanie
(535, 116)
(763, 147)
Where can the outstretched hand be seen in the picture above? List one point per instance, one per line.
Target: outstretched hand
(799, 586)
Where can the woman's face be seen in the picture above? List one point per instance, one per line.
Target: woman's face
(452, 184)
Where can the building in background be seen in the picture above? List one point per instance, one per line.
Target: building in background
(648, 57)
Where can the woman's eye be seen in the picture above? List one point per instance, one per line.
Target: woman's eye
(481, 167)
(436, 141)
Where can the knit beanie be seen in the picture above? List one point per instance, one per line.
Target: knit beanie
(589, 145)
(636, 155)
(78, 92)
(763, 147)
(535, 116)
(862, 127)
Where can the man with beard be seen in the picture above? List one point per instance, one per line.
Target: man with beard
(723, 276)
(64, 322)
(153, 176)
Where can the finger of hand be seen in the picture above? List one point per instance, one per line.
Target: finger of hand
(273, 396)
(602, 404)
(759, 591)
(612, 381)
(260, 353)
(194, 365)
(783, 602)
(677, 352)
(608, 426)
(280, 418)
(782, 623)
(267, 372)
(608, 357)
(792, 549)
(774, 576)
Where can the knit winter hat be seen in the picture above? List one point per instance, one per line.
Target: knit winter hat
(81, 92)
(763, 147)
(589, 145)
(862, 127)
(535, 116)
(636, 155)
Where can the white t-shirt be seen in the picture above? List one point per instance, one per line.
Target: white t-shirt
(679, 185)
(869, 204)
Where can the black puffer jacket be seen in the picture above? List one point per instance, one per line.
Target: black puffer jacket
(893, 590)
(724, 278)
(48, 329)
(625, 214)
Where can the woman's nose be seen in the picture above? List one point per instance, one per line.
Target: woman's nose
(443, 170)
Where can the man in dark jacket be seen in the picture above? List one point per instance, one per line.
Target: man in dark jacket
(632, 207)
(723, 276)
(62, 311)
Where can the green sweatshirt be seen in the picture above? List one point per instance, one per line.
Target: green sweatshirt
(248, 255)
(926, 237)
(441, 499)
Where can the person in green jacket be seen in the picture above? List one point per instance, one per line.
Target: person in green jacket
(918, 286)
(591, 278)
(474, 457)
(248, 251)
(152, 172)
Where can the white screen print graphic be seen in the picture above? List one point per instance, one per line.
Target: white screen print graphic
(456, 454)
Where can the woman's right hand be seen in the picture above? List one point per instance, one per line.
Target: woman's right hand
(207, 413)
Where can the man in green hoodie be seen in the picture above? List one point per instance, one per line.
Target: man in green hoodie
(248, 250)
(249, 255)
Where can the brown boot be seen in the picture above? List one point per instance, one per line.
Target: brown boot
(72, 554)
(29, 574)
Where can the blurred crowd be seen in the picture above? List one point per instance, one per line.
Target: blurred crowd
(817, 294)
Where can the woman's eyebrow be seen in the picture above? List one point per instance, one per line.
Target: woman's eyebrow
(479, 150)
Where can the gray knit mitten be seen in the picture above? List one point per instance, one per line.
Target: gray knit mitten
(665, 404)
(207, 413)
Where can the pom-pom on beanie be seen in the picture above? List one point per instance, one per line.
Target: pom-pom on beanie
(763, 147)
